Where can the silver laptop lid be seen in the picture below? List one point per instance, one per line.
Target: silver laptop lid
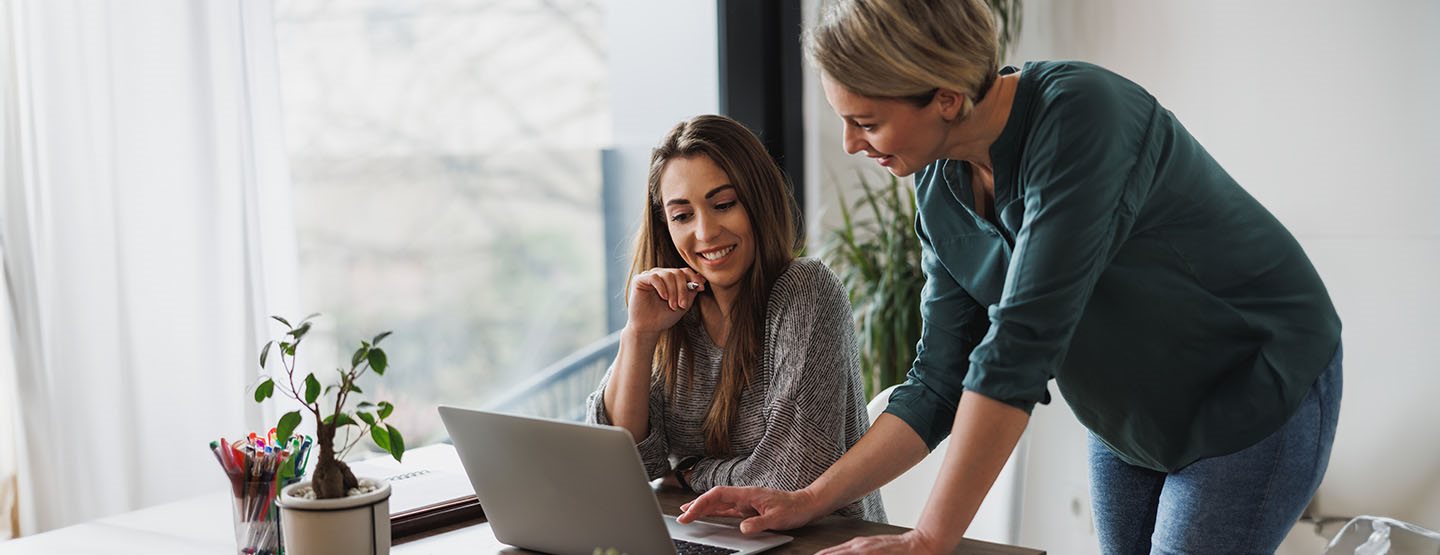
(558, 487)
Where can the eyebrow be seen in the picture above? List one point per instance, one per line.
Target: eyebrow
(712, 193)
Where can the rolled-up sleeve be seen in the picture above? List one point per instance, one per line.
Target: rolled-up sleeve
(953, 324)
(1078, 207)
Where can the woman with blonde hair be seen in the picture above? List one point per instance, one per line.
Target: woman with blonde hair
(738, 364)
(1072, 229)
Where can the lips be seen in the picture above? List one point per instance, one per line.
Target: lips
(884, 160)
(716, 255)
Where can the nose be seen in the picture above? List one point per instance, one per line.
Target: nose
(707, 227)
(851, 140)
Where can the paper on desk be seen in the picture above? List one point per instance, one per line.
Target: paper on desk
(429, 476)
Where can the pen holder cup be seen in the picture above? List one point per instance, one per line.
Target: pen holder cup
(257, 518)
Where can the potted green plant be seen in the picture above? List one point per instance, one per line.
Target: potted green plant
(333, 512)
(877, 256)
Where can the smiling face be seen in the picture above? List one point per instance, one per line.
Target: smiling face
(708, 224)
(897, 134)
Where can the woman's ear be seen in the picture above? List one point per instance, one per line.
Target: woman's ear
(949, 103)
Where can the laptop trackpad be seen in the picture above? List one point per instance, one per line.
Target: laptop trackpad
(723, 536)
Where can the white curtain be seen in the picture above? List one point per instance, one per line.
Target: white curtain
(146, 235)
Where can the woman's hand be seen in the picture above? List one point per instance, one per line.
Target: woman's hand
(912, 542)
(762, 508)
(660, 296)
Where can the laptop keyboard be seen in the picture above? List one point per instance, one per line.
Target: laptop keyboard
(683, 547)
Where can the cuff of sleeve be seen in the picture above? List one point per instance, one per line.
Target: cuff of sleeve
(654, 451)
(596, 406)
(708, 473)
(1013, 394)
(653, 448)
(927, 412)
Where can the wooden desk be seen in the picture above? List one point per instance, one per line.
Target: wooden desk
(476, 537)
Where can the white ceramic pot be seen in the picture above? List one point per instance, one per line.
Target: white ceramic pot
(354, 525)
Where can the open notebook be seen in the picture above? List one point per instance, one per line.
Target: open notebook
(427, 491)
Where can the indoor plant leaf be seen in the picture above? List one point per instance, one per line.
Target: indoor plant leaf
(288, 423)
(377, 361)
(381, 437)
(264, 390)
(312, 389)
(397, 443)
(341, 419)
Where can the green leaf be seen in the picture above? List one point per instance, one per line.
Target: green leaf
(265, 352)
(377, 361)
(299, 331)
(381, 438)
(359, 356)
(307, 318)
(367, 417)
(282, 321)
(364, 404)
(286, 470)
(385, 409)
(287, 426)
(342, 419)
(397, 443)
(264, 390)
(287, 348)
(355, 388)
(377, 339)
(312, 389)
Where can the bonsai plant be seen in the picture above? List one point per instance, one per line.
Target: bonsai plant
(329, 406)
(878, 260)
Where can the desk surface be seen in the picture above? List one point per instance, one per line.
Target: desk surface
(202, 525)
(826, 532)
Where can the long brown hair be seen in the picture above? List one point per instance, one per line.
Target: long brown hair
(763, 191)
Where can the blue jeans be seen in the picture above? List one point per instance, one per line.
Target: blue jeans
(1244, 502)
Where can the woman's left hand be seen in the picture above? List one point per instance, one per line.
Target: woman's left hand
(912, 542)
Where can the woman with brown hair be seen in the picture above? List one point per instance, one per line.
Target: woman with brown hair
(1072, 229)
(738, 360)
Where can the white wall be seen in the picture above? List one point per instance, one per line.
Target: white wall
(1324, 110)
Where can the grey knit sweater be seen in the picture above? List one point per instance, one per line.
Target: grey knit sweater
(804, 408)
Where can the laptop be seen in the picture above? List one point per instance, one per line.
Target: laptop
(571, 488)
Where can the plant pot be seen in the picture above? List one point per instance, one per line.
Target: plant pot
(354, 525)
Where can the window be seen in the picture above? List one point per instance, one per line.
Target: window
(446, 165)
(446, 158)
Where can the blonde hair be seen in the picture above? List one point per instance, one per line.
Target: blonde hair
(761, 188)
(907, 49)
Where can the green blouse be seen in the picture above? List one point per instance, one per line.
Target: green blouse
(1178, 317)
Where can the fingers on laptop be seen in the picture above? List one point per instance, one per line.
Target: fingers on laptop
(724, 512)
(716, 502)
(755, 525)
